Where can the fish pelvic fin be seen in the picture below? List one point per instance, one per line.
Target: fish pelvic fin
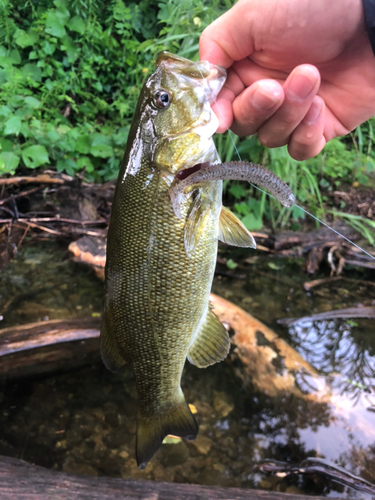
(195, 224)
(151, 431)
(233, 232)
(211, 344)
(111, 356)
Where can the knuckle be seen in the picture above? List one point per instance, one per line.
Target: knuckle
(271, 140)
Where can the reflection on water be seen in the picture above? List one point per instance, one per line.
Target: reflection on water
(338, 346)
(84, 421)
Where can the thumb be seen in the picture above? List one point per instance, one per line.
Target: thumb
(229, 38)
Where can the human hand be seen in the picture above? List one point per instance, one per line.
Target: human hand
(300, 72)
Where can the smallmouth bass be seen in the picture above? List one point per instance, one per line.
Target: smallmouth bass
(160, 267)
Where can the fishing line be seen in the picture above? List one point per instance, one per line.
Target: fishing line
(230, 133)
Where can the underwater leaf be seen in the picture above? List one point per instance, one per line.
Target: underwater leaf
(275, 267)
(34, 156)
(231, 264)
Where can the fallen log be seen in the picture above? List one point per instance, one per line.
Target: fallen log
(22, 481)
(48, 346)
(57, 345)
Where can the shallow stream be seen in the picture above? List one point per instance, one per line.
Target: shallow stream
(84, 421)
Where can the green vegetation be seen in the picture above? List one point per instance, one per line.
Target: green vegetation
(70, 75)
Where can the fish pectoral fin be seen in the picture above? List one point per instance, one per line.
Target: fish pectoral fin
(233, 232)
(212, 343)
(111, 356)
(177, 420)
(193, 224)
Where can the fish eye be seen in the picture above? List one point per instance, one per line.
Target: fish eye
(162, 99)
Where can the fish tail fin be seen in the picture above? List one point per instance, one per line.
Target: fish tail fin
(177, 420)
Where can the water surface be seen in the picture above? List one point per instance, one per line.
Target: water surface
(84, 421)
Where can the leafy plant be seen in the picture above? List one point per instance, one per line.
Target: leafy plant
(70, 75)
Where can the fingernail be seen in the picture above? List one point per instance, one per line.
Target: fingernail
(314, 112)
(300, 86)
(265, 96)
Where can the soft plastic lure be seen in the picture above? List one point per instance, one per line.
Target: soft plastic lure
(233, 170)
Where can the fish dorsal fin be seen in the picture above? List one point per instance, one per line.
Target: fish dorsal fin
(193, 225)
(211, 344)
(233, 232)
(111, 356)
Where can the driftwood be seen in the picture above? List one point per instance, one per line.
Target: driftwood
(48, 346)
(22, 481)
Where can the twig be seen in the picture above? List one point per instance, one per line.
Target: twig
(42, 228)
(61, 219)
(284, 280)
(19, 195)
(311, 284)
(46, 179)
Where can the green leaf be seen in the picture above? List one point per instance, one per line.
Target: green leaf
(35, 156)
(100, 139)
(8, 162)
(77, 24)
(85, 162)
(83, 144)
(238, 191)
(70, 48)
(15, 56)
(48, 48)
(252, 223)
(13, 125)
(101, 150)
(32, 102)
(67, 165)
(32, 71)
(24, 39)
(6, 145)
(5, 62)
(55, 25)
(5, 111)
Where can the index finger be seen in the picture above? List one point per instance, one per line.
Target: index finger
(229, 38)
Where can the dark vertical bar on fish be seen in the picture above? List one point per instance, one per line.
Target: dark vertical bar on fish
(234, 170)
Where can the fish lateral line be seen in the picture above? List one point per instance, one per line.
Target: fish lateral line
(232, 170)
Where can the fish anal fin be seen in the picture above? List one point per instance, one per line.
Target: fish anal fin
(211, 344)
(111, 356)
(233, 232)
(177, 420)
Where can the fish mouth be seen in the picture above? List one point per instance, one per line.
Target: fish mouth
(208, 76)
(186, 172)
